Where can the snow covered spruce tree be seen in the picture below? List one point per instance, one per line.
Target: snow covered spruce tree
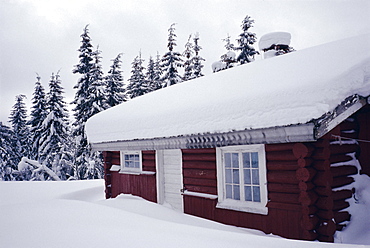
(188, 65)
(55, 130)
(171, 61)
(37, 116)
(87, 164)
(115, 91)
(197, 59)
(153, 75)
(138, 84)
(246, 40)
(18, 120)
(228, 59)
(8, 155)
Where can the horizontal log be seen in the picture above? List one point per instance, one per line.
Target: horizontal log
(349, 125)
(309, 210)
(321, 153)
(304, 162)
(115, 154)
(325, 214)
(115, 161)
(282, 165)
(309, 222)
(342, 194)
(322, 165)
(302, 150)
(280, 156)
(199, 164)
(324, 238)
(305, 186)
(340, 205)
(324, 191)
(344, 148)
(307, 198)
(322, 179)
(343, 170)
(287, 177)
(325, 203)
(284, 206)
(150, 157)
(279, 147)
(339, 158)
(327, 228)
(200, 182)
(305, 174)
(199, 157)
(341, 181)
(197, 151)
(283, 188)
(195, 173)
(202, 189)
(322, 142)
(349, 135)
(284, 197)
(341, 216)
(309, 235)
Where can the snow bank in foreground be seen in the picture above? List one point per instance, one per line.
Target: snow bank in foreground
(75, 214)
(280, 91)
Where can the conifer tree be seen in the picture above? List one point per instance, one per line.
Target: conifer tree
(152, 76)
(18, 120)
(246, 40)
(55, 129)
(171, 61)
(138, 85)
(197, 59)
(8, 155)
(83, 104)
(229, 57)
(188, 65)
(114, 83)
(158, 72)
(37, 116)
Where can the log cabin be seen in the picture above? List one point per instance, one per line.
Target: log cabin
(271, 145)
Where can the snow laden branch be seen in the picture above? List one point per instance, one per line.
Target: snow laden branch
(26, 163)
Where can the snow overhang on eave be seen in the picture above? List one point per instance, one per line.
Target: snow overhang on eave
(330, 120)
(285, 134)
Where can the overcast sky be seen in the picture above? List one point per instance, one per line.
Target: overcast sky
(42, 36)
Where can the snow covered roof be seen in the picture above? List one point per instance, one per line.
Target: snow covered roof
(274, 38)
(271, 95)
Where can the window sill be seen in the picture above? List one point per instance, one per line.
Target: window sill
(137, 172)
(243, 207)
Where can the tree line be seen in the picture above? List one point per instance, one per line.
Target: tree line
(47, 146)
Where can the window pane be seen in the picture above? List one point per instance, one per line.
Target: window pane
(229, 192)
(246, 160)
(247, 176)
(227, 160)
(236, 192)
(256, 194)
(235, 160)
(236, 176)
(248, 193)
(228, 175)
(254, 156)
(137, 164)
(255, 177)
(126, 164)
(126, 157)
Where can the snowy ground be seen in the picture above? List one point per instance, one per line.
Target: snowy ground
(75, 214)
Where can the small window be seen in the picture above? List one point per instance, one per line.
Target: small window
(131, 161)
(241, 175)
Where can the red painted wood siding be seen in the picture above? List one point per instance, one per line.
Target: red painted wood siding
(139, 185)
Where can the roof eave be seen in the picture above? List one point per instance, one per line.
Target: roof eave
(283, 134)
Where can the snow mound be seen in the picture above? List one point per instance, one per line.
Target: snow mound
(285, 90)
(274, 38)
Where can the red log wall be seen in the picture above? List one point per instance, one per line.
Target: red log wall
(140, 185)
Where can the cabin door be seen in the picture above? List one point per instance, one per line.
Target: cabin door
(169, 178)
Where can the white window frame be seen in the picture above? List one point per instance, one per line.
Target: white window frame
(129, 170)
(242, 205)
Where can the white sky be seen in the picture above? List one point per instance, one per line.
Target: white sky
(43, 35)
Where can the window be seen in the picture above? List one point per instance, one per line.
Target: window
(241, 176)
(131, 161)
